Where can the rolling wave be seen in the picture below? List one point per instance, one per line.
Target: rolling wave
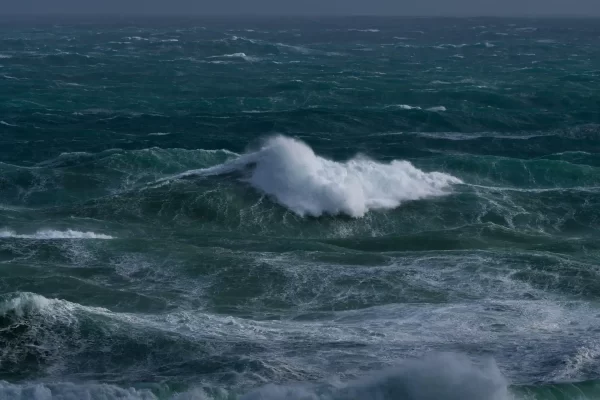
(310, 185)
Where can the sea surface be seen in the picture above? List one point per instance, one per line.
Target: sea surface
(299, 209)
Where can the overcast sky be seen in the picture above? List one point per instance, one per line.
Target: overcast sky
(305, 7)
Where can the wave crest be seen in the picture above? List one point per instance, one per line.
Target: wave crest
(309, 185)
(47, 234)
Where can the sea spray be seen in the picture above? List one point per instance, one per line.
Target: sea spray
(309, 185)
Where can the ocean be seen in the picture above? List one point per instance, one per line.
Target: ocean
(299, 208)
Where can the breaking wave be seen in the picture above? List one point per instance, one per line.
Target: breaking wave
(310, 185)
(46, 234)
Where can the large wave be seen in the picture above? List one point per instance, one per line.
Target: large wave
(307, 184)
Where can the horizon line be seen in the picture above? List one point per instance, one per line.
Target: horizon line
(283, 15)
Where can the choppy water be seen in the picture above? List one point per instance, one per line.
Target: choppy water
(300, 209)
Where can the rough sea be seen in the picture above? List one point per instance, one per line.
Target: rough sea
(299, 209)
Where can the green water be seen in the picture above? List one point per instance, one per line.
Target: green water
(351, 208)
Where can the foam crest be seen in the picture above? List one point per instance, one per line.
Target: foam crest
(46, 234)
(237, 55)
(24, 303)
(307, 184)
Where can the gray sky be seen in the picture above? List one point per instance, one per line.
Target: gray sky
(306, 7)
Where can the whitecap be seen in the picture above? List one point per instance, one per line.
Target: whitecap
(437, 108)
(364, 30)
(309, 185)
(405, 107)
(437, 376)
(449, 45)
(71, 391)
(237, 55)
(47, 234)
(7, 124)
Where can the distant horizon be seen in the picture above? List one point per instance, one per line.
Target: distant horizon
(296, 15)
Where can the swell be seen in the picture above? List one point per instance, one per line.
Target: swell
(38, 332)
(284, 169)
(76, 177)
(51, 338)
(266, 192)
(39, 391)
(223, 124)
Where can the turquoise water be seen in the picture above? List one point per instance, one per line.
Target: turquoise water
(354, 208)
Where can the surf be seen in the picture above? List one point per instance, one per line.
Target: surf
(289, 171)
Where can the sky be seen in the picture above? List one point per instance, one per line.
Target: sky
(306, 7)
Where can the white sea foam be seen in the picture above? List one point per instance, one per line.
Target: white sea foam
(406, 107)
(437, 376)
(237, 55)
(71, 391)
(7, 124)
(442, 376)
(450, 45)
(5, 56)
(307, 184)
(364, 30)
(437, 108)
(46, 234)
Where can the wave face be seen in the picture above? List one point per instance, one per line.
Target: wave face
(302, 209)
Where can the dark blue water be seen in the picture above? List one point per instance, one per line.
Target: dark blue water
(351, 208)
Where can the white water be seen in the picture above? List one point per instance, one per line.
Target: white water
(438, 108)
(439, 376)
(45, 234)
(443, 376)
(71, 391)
(237, 55)
(307, 184)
